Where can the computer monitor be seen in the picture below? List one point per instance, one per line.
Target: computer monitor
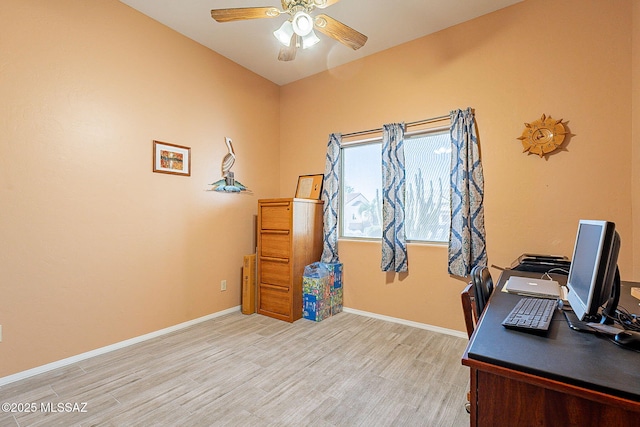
(594, 279)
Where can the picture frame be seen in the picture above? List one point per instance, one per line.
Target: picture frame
(309, 186)
(171, 158)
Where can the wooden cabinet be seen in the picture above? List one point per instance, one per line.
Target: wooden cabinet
(289, 238)
(531, 400)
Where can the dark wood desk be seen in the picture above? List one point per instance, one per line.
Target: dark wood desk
(566, 378)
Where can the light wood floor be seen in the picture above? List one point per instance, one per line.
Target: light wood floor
(240, 370)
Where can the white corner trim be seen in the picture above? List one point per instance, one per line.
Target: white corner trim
(432, 328)
(117, 346)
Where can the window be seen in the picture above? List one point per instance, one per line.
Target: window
(427, 206)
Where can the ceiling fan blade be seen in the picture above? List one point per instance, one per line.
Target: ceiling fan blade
(288, 53)
(339, 31)
(322, 4)
(240, 13)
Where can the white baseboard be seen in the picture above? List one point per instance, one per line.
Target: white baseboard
(93, 353)
(122, 344)
(432, 328)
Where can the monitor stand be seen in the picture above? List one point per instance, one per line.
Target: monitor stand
(610, 307)
(575, 323)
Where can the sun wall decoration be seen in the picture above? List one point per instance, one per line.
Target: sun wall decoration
(543, 136)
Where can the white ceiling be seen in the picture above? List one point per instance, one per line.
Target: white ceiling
(251, 44)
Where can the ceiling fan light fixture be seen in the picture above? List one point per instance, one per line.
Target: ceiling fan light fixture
(309, 40)
(302, 23)
(284, 33)
(299, 30)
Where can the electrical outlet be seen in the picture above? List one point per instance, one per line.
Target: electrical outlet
(223, 285)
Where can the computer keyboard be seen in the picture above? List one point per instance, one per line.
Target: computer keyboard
(531, 315)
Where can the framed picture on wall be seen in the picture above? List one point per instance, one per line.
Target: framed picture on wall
(309, 186)
(171, 158)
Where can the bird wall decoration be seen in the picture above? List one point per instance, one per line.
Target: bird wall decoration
(228, 184)
(229, 159)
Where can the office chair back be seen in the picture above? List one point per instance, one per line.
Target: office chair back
(482, 285)
(469, 308)
(471, 315)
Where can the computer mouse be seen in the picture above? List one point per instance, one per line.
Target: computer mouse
(630, 339)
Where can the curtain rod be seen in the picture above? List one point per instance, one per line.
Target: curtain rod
(416, 123)
(379, 137)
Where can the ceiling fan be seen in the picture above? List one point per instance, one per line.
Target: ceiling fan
(297, 31)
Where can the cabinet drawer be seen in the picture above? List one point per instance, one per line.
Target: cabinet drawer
(274, 245)
(275, 299)
(275, 216)
(274, 272)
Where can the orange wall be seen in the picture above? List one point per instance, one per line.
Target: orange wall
(573, 64)
(95, 247)
(635, 142)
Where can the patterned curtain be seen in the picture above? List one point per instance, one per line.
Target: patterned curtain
(467, 239)
(394, 247)
(330, 194)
